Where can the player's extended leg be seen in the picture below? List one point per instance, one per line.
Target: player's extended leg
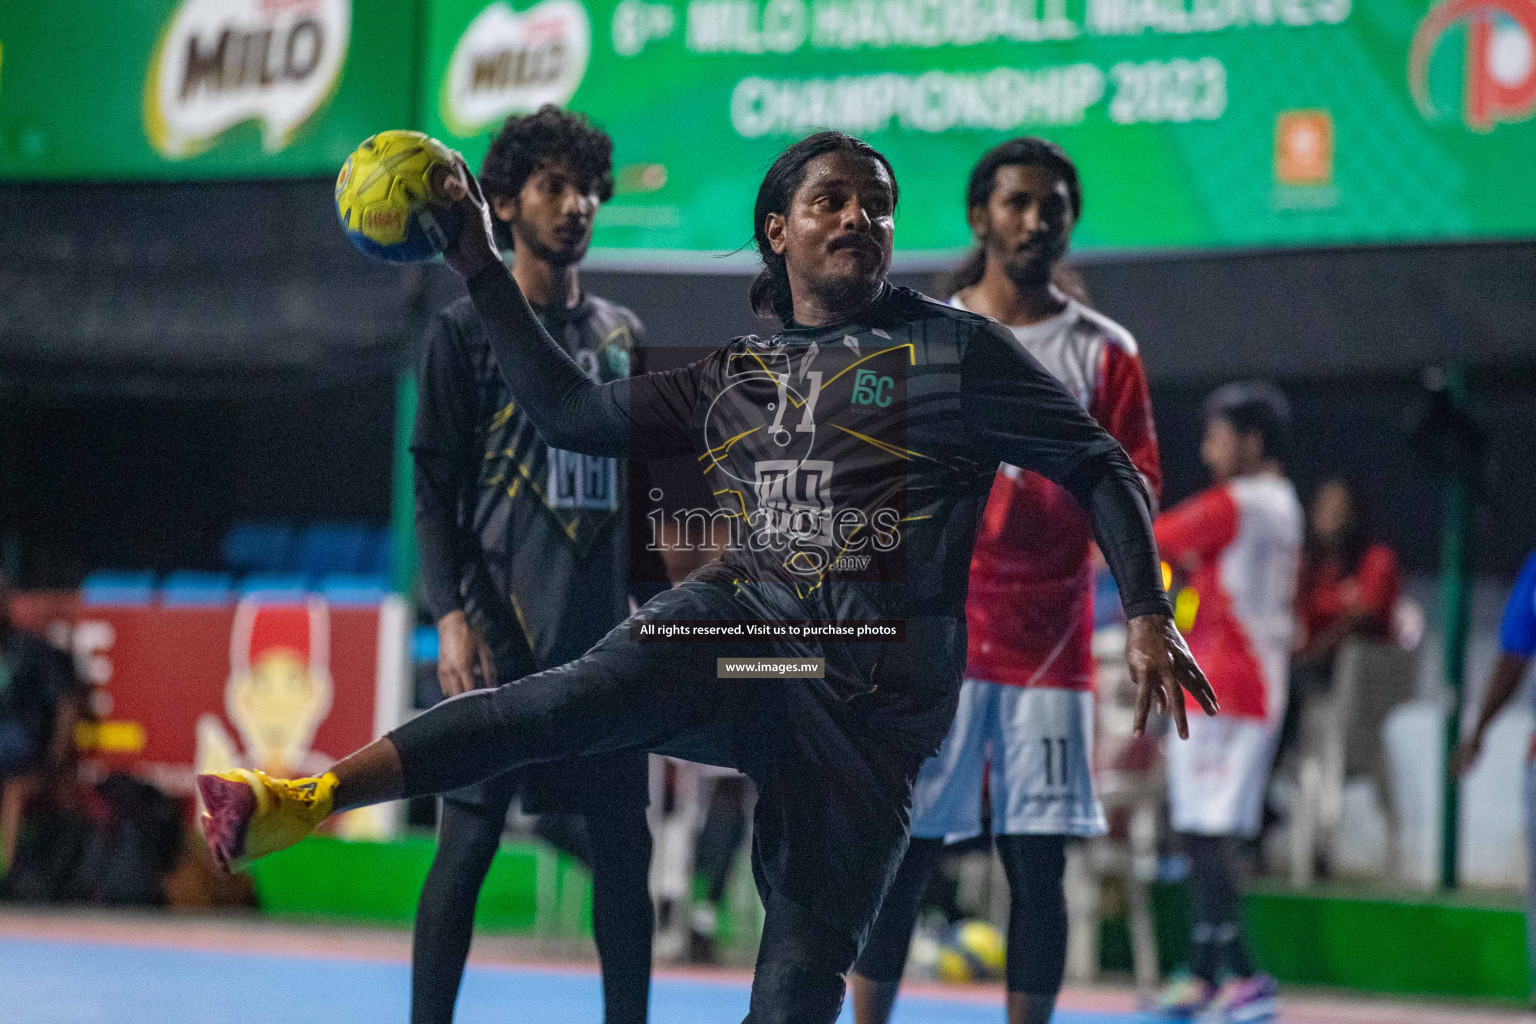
(1037, 924)
(619, 694)
(876, 975)
(468, 835)
(623, 919)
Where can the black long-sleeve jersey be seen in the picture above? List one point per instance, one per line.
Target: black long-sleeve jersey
(528, 536)
(854, 458)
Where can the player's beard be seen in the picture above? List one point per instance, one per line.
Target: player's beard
(555, 255)
(851, 292)
(844, 295)
(1033, 269)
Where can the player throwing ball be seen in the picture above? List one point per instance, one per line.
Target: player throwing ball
(871, 425)
(1026, 707)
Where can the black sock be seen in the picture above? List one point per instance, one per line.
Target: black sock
(1037, 917)
(623, 919)
(1218, 948)
(467, 838)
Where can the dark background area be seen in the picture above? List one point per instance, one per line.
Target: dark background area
(160, 381)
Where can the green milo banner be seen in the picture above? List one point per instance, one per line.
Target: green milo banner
(1196, 123)
(177, 89)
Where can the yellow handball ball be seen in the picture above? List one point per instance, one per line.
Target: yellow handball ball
(972, 951)
(389, 197)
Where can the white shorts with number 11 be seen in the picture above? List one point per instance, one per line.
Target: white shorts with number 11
(1037, 743)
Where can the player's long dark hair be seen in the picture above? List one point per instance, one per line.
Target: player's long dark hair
(770, 294)
(1027, 151)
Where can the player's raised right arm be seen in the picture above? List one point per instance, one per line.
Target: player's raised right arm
(569, 409)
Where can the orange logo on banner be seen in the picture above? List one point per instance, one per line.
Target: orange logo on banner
(1304, 147)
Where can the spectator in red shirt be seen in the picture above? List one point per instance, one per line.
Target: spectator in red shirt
(1349, 585)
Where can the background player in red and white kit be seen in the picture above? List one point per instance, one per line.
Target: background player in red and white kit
(1238, 544)
(1026, 707)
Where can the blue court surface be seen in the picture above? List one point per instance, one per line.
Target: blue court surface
(46, 982)
(158, 971)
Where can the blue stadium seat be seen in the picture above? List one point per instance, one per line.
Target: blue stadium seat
(424, 643)
(334, 547)
(115, 586)
(188, 589)
(1106, 601)
(346, 588)
(377, 557)
(274, 585)
(260, 547)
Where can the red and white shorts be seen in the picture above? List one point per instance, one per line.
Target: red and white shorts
(1217, 777)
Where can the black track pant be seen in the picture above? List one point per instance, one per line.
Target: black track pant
(833, 788)
(616, 847)
(1037, 915)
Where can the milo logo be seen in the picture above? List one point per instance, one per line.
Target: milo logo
(222, 62)
(508, 63)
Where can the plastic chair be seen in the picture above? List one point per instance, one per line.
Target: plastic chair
(259, 547)
(1128, 774)
(190, 589)
(334, 548)
(112, 586)
(377, 556)
(424, 644)
(1341, 738)
(274, 584)
(342, 589)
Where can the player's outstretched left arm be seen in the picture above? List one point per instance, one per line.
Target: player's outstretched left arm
(1160, 663)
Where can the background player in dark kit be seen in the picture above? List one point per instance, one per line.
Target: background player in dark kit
(1026, 708)
(816, 458)
(524, 555)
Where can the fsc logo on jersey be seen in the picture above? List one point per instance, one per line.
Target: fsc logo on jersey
(1499, 60)
(508, 62)
(222, 62)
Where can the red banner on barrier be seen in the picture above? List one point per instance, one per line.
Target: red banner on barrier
(283, 684)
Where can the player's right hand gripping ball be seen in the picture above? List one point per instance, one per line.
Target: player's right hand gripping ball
(390, 201)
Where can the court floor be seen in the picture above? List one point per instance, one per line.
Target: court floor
(65, 969)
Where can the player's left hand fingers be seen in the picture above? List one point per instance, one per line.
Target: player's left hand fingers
(455, 180)
(1144, 688)
(1175, 700)
(1190, 676)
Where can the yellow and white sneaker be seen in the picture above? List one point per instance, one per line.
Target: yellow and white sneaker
(248, 814)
